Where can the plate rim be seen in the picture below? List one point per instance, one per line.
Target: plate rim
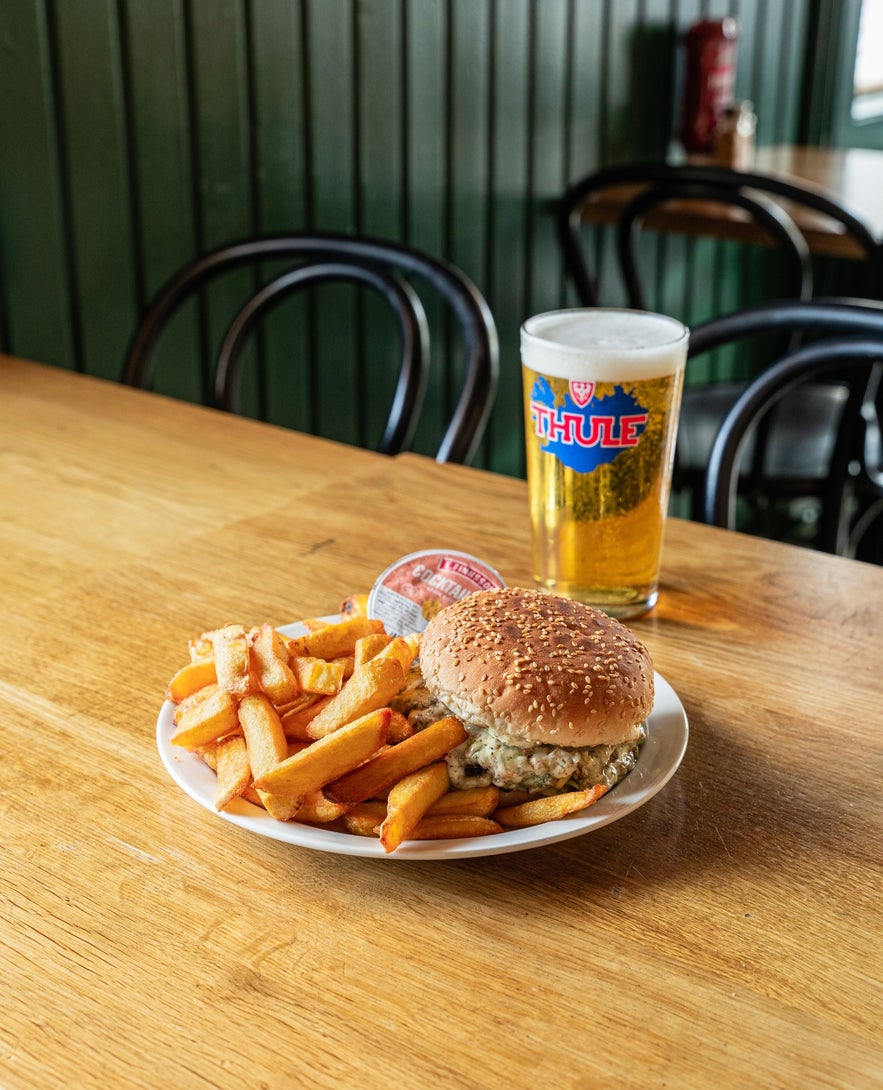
(671, 731)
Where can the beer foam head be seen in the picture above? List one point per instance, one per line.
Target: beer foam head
(604, 345)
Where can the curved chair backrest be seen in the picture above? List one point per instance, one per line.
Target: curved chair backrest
(379, 265)
(851, 345)
(773, 220)
(754, 193)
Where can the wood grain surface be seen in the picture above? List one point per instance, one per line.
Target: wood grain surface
(853, 177)
(725, 934)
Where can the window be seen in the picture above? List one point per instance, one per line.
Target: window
(867, 81)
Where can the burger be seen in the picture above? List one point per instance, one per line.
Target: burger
(553, 694)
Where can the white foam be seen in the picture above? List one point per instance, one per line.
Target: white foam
(604, 345)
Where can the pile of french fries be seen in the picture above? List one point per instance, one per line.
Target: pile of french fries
(303, 728)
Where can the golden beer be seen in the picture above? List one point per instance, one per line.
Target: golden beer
(602, 392)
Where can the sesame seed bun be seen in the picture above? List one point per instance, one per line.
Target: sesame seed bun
(549, 669)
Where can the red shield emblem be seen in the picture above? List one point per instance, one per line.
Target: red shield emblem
(581, 392)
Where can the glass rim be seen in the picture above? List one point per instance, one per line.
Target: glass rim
(549, 343)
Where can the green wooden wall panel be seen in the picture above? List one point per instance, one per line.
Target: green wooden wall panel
(136, 136)
(39, 320)
(333, 188)
(97, 173)
(550, 33)
(506, 277)
(160, 137)
(425, 124)
(426, 155)
(224, 195)
(468, 159)
(379, 151)
(276, 72)
(154, 39)
(280, 128)
(585, 103)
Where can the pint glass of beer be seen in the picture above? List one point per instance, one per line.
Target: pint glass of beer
(602, 392)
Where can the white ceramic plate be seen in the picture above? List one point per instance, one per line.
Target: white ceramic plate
(658, 760)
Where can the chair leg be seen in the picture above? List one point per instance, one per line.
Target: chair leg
(697, 501)
(866, 534)
(834, 535)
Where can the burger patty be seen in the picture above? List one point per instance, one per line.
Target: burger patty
(509, 762)
(417, 703)
(486, 759)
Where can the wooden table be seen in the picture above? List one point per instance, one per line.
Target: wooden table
(852, 176)
(725, 934)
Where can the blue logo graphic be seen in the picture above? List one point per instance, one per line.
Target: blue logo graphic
(585, 437)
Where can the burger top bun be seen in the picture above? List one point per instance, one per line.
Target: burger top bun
(548, 669)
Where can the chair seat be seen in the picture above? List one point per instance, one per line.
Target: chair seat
(801, 436)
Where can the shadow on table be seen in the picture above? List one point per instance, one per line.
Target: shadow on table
(728, 814)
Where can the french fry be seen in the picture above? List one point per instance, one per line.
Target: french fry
(232, 768)
(551, 808)
(269, 663)
(399, 728)
(318, 810)
(413, 639)
(409, 800)
(399, 649)
(267, 746)
(356, 605)
(299, 704)
(201, 647)
(252, 796)
(207, 720)
(473, 801)
(209, 753)
(515, 796)
(454, 827)
(281, 807)
(368, 646)
(313, 623)
(192, 701)
(329, 758)
(191, 678)
(398, 761)
(365, 818)
(318, 676)
(296, 720)
(371, 687)
(330, 641)
(232, 660)
(348, 663)
(264, 736)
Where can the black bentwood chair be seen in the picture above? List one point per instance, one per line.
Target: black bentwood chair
(381, 266)
(750, 197)
(847, 345)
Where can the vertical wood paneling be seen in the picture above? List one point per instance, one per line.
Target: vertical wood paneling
(379, 90)
(163, 161)
(136, 136)
(506, 278)
(426, 155)
(280, 151)
(468, 166)
(334, 183)
(550, 34)
(96, 171)
(38, 317)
